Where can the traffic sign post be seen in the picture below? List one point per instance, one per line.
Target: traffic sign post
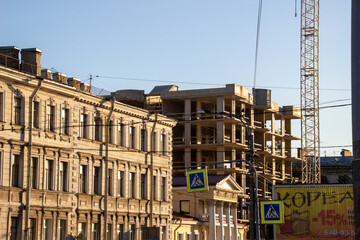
(197, 180)
(272, 212)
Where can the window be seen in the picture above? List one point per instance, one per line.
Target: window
(188, 236)
(180, 236)
(109, 232)
(120, 183)
(34, 171)
(98, 128)
(120, 230)
(202, 206)
(163, 189)
(83, 125)
(120, 131)
(111, 131)
(110, 187)
(32, 229)
(48, 185)
(82, 181)
(132, 232)
(143, 139)
(65, 121)
(95, 234)
(14, 228)
(47, 229)
(82, 229)
(50, 118)
(132, 137)
(36, 115)
(96, 180)
(62, 229)
(2, 102)
(162, 149)
(15, 168)
(132, 185)
(163, 232)
(63, 176)
(17, 110)
(184, 206)
(143, 186)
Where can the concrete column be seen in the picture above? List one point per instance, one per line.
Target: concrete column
(187, 135)
(220, 132)
(198, 107)
(221, 213)
(187, 109)
(187, 157)
(212, 224)
(199, 157)
(228, 221)
(234, 213)
(233, 157)
(220, 104)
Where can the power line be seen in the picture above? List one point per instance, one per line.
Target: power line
(212, 84)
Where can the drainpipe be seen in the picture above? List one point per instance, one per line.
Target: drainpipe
(107, 165)
(152, 171)
(27, 214)
(177, 229)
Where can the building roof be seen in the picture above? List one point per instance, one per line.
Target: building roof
(336, 161)
(212, 180)
(160, 89)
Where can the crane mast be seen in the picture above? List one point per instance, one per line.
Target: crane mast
(310, 136)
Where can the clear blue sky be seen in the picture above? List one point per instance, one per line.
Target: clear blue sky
(197, 41)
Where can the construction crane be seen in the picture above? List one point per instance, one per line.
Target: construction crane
(310, 135)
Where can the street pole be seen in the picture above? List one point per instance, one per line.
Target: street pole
(355, 89)
(152, 187)
(31, 104)
(107, 167)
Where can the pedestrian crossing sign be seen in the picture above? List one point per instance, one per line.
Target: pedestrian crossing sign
(272, 212)
(197, 180)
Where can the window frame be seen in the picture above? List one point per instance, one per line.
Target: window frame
(184, 204)
(96, 180)
(18, 109)
(63, 176)
(65, 121)
(17, 170)
(120, 183)
(98, 128)
(83, 172)
(50, 117)
(49, 174)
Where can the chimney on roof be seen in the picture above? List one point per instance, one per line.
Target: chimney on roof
(60, 77)
(74, 82)
(85, 87)
(30, 60)
(46, 73)
(9, 56)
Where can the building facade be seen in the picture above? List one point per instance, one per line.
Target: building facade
(217, 125)
(53, 156)
(213, 212)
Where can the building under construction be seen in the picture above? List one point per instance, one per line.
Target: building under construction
(215, 125)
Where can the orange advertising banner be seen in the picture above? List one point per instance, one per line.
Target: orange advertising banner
(316, 212)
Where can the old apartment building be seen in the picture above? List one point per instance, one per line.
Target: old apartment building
(214, 125)
(53, 154)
